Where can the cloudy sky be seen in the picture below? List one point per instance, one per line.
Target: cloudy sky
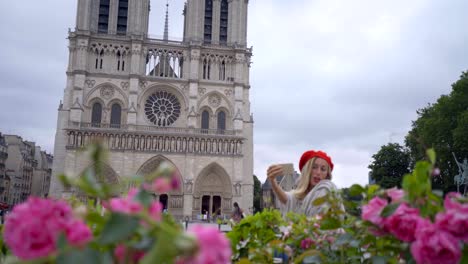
(338, 75)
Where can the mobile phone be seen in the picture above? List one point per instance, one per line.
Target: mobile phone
(288, 168)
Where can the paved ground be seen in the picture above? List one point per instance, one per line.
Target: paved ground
(222, 228)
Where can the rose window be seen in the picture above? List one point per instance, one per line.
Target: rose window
(162, 108)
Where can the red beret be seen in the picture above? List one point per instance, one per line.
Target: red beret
(314, 154)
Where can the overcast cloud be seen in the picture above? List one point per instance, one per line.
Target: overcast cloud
(338, 75)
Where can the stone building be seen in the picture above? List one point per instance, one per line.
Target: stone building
(42, 173)
(4, 178)
(287, 182)
(24, 170)
(153, 100)
(19, 165)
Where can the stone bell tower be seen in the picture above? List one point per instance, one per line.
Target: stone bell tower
(154, 100)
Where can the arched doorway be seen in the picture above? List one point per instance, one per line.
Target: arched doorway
(163, 199)
(107, 175)
(212, 193)
(173, 201)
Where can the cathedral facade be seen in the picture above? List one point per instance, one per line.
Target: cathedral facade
(153, 100)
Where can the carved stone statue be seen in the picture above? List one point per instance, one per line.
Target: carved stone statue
(462, 177)
(237, 188)
(188, 186)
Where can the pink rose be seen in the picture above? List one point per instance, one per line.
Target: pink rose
(306, 243)
(395, 194)
(132, 193)
(126, 205)
(162, 185)
(403, 222)
(33, 227)
(455, 222)
(371, 211)
(435, 246)
(78, 233)
(450, 202)
(155, 210)
(175, 182)
(121, 252)
(213, 246)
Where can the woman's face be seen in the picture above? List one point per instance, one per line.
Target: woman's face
(319, 171)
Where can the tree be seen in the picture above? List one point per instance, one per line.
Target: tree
(444, 127)
(389, 166)
(257, 194)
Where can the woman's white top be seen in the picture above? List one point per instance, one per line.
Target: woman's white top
(305, 206)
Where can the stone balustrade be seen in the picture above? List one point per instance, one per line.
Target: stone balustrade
(158, 139)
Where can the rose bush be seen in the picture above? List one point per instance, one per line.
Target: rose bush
(108, 228)
(411, 225)
(414, 224)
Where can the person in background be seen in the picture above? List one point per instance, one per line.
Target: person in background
(237, 213)
(315, 182)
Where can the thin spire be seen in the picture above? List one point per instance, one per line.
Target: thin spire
(166, 23)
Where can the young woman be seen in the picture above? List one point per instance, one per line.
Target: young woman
(314, 182)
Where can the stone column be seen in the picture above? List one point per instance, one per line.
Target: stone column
(193, 86)
(83, 15)
(233, 21)
(112, 26)
(243, 22)
(216, 22)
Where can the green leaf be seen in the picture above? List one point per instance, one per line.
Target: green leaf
(372, 189)
(431, 155)
(309, 256)
(88, 256)
(389, 209)
(312, 259)
(65, 181)
(464, 258)
(330, 223)
(343, 239)
(356, 190)
(61, 242)
(144, 197)
(163, 251)
(119, 227)
(95, 218)
(378, 260)
(320, 200)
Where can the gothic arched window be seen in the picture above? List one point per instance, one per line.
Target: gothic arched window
(205, 120)
(96, 114)
(120, 62)
(206, 69)
(221, 120)
(222, 71)
(116, 114)
(223, 26)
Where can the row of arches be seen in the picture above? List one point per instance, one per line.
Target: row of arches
(101, 61)
(173, 144)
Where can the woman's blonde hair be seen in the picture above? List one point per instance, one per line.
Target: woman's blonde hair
(303, 187)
